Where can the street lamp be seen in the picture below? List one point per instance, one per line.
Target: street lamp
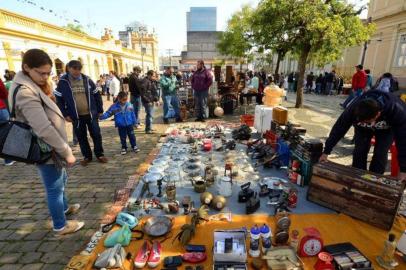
(142, 30)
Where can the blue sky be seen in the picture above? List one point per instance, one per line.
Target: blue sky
(167, 17)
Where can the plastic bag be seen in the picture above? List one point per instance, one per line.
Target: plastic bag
(121, 236)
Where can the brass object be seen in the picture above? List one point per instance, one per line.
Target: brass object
(206, 198)
(209, 175)
(218, 202)
(170, 191)
(198, 184)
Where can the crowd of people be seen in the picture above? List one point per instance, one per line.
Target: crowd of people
(73, 97)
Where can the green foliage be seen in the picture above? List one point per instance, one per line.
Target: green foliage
(236, 40)
(75, 27)
(315, 30)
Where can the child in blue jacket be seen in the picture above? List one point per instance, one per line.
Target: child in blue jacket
(124, 118)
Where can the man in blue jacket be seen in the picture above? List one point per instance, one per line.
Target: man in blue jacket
(81, 104)
(378, 114)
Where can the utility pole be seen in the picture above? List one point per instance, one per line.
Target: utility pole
(364, 51)
(142, 30)
(169, 51)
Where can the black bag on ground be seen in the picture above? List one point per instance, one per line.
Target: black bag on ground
(19, 143)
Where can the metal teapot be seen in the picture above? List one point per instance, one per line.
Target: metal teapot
(198, 184)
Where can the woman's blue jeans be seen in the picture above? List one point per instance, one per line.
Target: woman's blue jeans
(54, 180)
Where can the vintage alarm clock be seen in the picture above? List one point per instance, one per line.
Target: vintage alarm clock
(245, 193)
(324, 262)
(311, 244)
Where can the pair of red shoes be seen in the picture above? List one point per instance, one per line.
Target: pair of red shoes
(147, 254)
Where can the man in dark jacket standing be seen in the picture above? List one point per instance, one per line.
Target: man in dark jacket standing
(149, 95)
(134, 85)
(378, 114)
(201, 81)
(81, 104)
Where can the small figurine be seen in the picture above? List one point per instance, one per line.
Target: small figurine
(386, 259)
(159, 183)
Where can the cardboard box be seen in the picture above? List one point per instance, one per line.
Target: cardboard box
(239, 252)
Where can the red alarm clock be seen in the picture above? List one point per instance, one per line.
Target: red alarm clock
(311, 244)
(207, 144)
(324, 262)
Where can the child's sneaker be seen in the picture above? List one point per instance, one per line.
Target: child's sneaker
(123, 151)
(142, 256)
(136, 149)
(154, 255)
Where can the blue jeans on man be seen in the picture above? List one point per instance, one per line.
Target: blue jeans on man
(171, 107)
(353, 94)
(54, 180)
(5, 116)
(202, 111)
(149, 111)
(329, 88)
(125, 132)
(86, 122)
(136, 102)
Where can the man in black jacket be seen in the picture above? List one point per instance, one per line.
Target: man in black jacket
(134, 85)
(149, 95)
(378, 114)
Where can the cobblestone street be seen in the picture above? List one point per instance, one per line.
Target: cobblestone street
(25, 240)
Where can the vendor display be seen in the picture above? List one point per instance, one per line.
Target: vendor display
(213, 198)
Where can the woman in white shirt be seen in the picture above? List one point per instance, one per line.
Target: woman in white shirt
(114, 87)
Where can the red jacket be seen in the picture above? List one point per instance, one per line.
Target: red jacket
(359, 80)
(3, 96)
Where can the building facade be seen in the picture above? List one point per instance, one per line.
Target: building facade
(98, 56)
(201, 19)
(387, 48)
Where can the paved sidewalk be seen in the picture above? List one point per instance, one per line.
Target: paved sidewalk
(25, 242)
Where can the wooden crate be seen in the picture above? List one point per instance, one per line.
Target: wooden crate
(280, 115)
(347, 190)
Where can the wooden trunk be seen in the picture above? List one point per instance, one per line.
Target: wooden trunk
(280, 115)
(360, 194)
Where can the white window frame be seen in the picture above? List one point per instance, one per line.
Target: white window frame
(401, 41)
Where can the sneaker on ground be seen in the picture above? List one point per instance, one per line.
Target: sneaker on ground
(149, 132)
(71, 226)
(72, 209)
(155, 254)
(142, 256)
(9, 163)
(123, 151)
(136, 149)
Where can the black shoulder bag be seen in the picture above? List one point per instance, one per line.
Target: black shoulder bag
(19, 143)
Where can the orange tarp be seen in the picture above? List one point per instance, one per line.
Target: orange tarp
(334, 228)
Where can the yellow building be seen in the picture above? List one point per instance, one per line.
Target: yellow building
(386, 51)
(98, 56)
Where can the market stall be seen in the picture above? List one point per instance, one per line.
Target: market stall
(231, 194)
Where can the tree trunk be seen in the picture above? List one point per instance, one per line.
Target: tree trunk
(302, 69)
(278, 61)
